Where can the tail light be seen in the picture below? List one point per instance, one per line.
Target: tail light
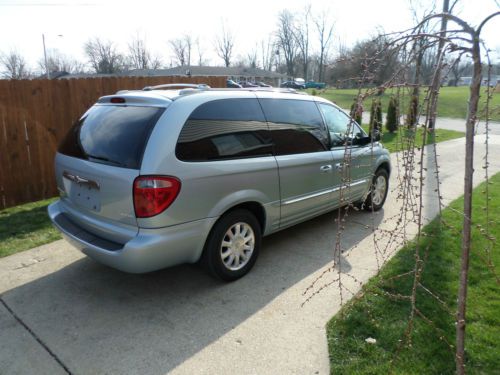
(154, 194)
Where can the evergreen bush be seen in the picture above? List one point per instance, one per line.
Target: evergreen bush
(357, 111)
(376, 115)
(392, 120)
(411, 117)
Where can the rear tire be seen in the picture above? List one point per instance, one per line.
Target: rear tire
(378, 191)
(233, 245)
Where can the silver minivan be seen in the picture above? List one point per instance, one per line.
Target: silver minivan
(183, 173)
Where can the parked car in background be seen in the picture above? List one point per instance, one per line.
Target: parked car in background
(293, 85)
(247, 84)
(183, 173)
(231, 84)
(262, 84)
(315, 85)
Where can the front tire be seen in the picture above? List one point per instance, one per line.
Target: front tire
(233, 245)
(378, 191)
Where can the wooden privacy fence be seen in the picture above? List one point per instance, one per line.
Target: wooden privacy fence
(36, 114)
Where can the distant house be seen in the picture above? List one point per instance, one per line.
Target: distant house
(55, 74)
(235, 73)
(87, 75)
(466, 81)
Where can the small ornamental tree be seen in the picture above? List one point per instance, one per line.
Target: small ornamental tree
(392, 120)
(411, 118)
(357, 111)
(376, 115)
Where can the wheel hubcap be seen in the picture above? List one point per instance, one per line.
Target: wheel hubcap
(237, 246)
(379, 189)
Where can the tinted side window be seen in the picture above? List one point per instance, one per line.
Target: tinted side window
(225, 129)
(296, 126)
(340, 126)
(114, 135)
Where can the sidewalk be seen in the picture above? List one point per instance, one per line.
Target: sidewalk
(180, 321)
(449, 123)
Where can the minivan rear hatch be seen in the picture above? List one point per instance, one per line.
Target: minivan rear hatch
(98, 161)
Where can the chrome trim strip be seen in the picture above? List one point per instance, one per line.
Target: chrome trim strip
(359, 182)
(314, 195)
(81, 181)
(318, 194)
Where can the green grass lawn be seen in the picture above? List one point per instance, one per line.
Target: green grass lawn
(452, 101)
(26, 226)
(372, 314)
(396, 141)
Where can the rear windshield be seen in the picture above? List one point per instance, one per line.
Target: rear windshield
(114, 135)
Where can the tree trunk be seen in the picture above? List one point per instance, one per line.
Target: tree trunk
(418, 67)
(467, 223)
(442, 34)
(320, 72)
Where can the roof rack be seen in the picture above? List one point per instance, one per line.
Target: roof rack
(173, 86)
(285, 90)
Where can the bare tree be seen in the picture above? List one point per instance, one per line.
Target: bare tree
(103, 56)
(286, 40)
(324, 27)
(140, 57)
(252, 58)
(14, 66)
(473, 39)
(200, 50)
(457, 70)
(58, 62)
(302, 37)
(440, 50)
(224, 44)
(268, 49)
(182, 49)
(188, 42)
(372, 61)
(179, 49)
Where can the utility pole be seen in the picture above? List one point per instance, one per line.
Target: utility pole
(45, 57)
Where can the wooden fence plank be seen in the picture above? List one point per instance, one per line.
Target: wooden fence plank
(36, 115)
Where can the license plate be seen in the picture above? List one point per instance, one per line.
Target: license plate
(85, 196)
(82, 192)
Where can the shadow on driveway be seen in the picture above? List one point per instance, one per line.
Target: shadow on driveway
(99, 320)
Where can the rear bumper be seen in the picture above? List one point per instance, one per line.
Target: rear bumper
(150, 250)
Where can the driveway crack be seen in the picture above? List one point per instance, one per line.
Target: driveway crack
(35, 336)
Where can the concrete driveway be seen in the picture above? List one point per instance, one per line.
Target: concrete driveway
(62, 312)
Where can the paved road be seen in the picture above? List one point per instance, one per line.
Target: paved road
(97, 320)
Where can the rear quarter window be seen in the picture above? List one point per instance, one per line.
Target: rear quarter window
(114, 135)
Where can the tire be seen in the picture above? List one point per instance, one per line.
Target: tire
(376, 199)
(223, 256)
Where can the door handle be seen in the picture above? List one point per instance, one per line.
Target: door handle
(339, 166)
(326, 168)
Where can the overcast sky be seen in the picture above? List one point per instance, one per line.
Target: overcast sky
(22, 22)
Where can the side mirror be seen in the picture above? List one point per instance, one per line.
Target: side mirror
(375, 135)
(363, 141)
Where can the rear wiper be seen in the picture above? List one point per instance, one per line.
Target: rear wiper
(103, 158)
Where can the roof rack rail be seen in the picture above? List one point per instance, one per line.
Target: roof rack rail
(265, 89)
(173, 86)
